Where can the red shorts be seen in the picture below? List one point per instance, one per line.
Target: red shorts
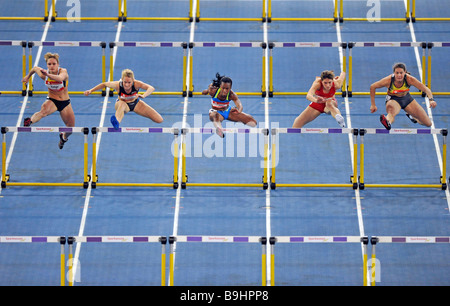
(318, 106)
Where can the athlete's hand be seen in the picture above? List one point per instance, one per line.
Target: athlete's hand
(234, 110)
(321, 99)
(87, 92)
(373, 108)
(433, 104)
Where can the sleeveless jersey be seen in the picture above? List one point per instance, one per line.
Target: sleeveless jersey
(330, 94)
(55, 85)
(395, 90)
(215, 102)
(128, 97)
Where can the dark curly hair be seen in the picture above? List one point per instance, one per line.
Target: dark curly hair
(221, 79)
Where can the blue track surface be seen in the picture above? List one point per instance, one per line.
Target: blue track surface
(217, 211)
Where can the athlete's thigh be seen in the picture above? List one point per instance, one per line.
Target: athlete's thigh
(146, 110)
(308, 115)
(68, 116)
(417, 111)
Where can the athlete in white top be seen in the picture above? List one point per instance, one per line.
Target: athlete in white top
(56, 79)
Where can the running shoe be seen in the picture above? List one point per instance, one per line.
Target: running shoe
(219, 132)
(411, 118)
(61, 141)
(385, 122)
(115, 122)
(27, 121)
(340, 120)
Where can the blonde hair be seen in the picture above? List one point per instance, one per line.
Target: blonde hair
(127, 73)
(50, 55)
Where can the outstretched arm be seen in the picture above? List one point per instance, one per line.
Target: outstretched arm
(338, 81)
(384, 82)
(33, 71)
(420, 86)
(113, 85)
(148, 88)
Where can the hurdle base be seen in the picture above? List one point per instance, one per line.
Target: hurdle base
(226, 185)
(133, 184)
(442, 186)
(352, 185)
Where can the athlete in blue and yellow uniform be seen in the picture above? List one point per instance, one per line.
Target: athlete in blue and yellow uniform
(56, 79)
(398, 97)
(221, 96)
(129, 98)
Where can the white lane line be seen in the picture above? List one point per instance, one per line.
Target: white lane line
(99, 136)
(427, 102)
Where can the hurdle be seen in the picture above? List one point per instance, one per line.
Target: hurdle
(45, 18)
(233, 45)
(101, 44)
(119, 239)
(217, 239)
(184, 176)
(275, 134)
(42, 239)
(140, 130)
(36, 129)
(443, 132)
(414, 18)
(374, 240)
(151, 44)
(318, 239)
(405, 19)
(23, 44)
(270, 18)
(352, 45)
(198, 18)
(431, 45)
(273, 45)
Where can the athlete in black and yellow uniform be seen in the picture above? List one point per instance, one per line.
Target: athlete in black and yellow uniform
(398, 97)
(56, 80)
(129, 98)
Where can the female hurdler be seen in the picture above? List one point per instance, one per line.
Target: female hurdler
(56, 79)
(398, 97)
(221, 96)
(129, 98)
(321, 94)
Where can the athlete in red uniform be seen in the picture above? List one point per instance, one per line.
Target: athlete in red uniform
(129, 98)
(56, 79)
(321, 94)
